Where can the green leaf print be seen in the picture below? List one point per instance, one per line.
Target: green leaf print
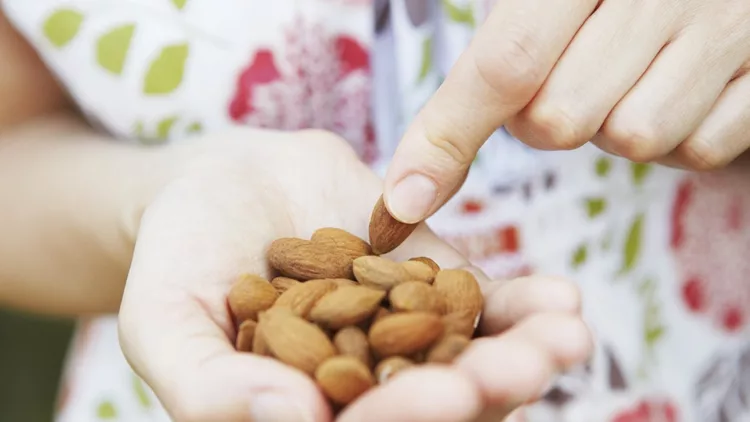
(106, 410)
(62, 26)
(579, 256)
(424, 70)
(165, 73)
(639, 172)
(632, 248)
(194, 127)
(603, 166)
(459, 15)
(179, 3)
(164, 126)
(140, 392)
(112, 48)
(595, 206)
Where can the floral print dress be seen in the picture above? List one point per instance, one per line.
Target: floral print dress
(661, 255)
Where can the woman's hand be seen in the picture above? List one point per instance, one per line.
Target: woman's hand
(662, 80)
(240, 191)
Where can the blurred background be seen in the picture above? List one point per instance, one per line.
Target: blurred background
(32, 349)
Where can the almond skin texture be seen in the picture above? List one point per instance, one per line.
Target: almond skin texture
(343, 282)
(461, 322)
(302, 297)
(347, 305)
(425, 260)
(461, 291)
(305, 260)
(249, 295)
(387, 233)
(260, 347)
(447, 349)
(419, 271)
(294, 341)
(416, 296)
(342, 241)
(379, 273)
(245, 335)
(405, 333)
(344, 378)
(387, 368)
(352, 341)
(283, 284)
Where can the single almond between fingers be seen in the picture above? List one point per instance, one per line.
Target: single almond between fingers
(387, 233)
(352, 341)
(404, 333)
(294, 341)
(305, 260)
(348, 305)
(380, 273)
(416, 296)
(249, 295)
(344, 378)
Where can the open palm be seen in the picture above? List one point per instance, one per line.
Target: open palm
(240, 190)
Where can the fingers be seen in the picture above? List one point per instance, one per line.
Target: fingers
(519, 298)
(673, 97)
(722, 136)
(607, 57)
(508, 60)
(518, 366)
(426, 394)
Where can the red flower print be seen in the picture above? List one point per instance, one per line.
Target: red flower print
(711, 242)
(471, 206)
(648, 411)
(317, 79)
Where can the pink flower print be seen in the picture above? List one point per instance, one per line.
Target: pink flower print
(317, 79)
(649, 411)
(710, 238)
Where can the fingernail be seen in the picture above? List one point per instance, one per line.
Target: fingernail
(273, 407)
(412, 198)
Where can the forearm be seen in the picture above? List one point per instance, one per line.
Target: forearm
(72, 201)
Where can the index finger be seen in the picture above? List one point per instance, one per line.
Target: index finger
(501, 71)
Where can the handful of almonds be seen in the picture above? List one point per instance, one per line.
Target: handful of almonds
(350, 318)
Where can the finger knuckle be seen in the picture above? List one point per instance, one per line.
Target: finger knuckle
(702, 155)
(636, 143)
(515, 65)
(457, 153)
(557, 128)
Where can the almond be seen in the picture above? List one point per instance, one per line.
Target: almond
(352, 341)
(419, 271)
(249, 295)
(344, 378)
(387, 368)
(435, 267)
(260, 347)
(387, 233)
(294, 341)
(461, 292)
(342, 241)
(379, 272)
(302, 297)
(460, 322)
(346, 305)
(245, 334)
(283, 284)
(416, 296)
(343, 282)
(405, 333)
(448, 348)
(305, 260)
